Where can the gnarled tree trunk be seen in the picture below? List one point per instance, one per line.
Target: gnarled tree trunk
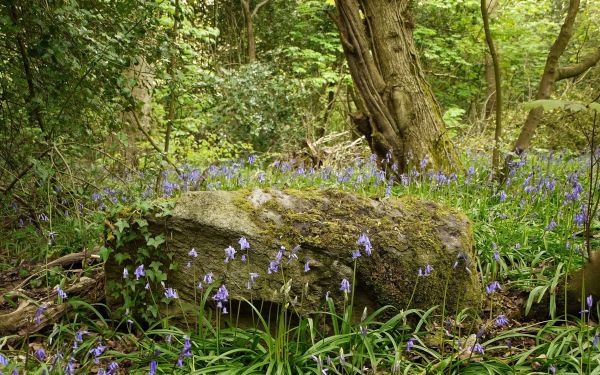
(399, 113)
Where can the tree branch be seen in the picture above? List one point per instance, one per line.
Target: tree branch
(258, 7)
(576, 69)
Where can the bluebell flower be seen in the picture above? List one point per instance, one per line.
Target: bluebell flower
(410, 344)
(221, 296)
(229, 254)
(251, 159)
(61, 293)
(152, 368)
(193, 253)
(493, 287)
(345, 286)
(552, 369)
(503, 196)
(355, 254)
(147, 287)
(139, 272)
(40, 353)
(97, 351)
(125, 273)
(38, 313)
(170, 293)
(477, 348)
(364, 240)
(306, 265)
(595, 341)
(208, 278)
(501, 320)
(244, 243)
(3, 360)
(273, 267)
(426, 272)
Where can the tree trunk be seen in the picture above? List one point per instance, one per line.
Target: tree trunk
(249, 17)
(143, 75)
(554, 72)
(497, 84)
(490, 80)
(401, 116)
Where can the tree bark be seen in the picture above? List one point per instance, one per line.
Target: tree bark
(249, 17)
(552, 73)
(497, 84)
(490, 80)
(400, 115)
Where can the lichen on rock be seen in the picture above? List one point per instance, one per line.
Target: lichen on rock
(406, 234)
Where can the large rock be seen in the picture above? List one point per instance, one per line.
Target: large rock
(406, 235)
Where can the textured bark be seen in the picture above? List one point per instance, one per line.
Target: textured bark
(552, 73)
(401, 115)
(406, 234)
(490, 80)
(497, 84)
(143, 74)
(249, 15)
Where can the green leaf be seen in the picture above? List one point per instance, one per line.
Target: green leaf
(122, 224)
(156, 241)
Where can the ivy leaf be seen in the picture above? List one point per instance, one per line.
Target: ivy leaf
(122, 224)
(156, 241)
(121, 257)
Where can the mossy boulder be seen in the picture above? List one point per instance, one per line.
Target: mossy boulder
(406, 234)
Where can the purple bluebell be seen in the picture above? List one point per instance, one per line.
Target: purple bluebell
(152, 368)
(345, 286)
(3, 360)
(363, 330)
(595, 341)
(221, 296)
(38, 313)
(355, 254)
(251, 159)
(243, 258)
(364, 240)
(517, 246)
(552, 369)
(229, 254)
(244, 243)
(551, 226)
(492, 287)
(208, 278)
(97, 351)
(61, 293)
(40, 353)
(147, 287)
(125, 273)
(139, 272)
(307, 265)
(503, 196)
(501, 320)
(589, 301)
(273, 267)
(193, 253)
(477, 348)
(410, 344)
(170, 293)
(422, 273)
